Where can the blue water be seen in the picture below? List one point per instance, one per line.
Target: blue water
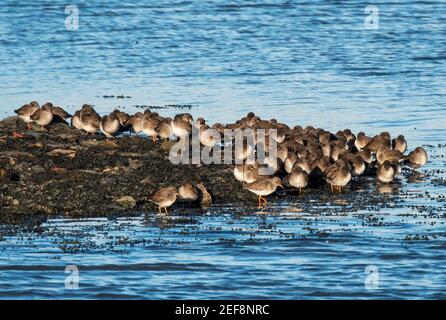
(308, 63)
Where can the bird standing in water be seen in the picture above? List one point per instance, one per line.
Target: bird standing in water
(386, 172)
(164, 198)
(417, 158)
(298, 178)
(338, 175)
(264, 187)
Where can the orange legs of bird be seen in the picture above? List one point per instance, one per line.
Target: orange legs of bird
(262, 201)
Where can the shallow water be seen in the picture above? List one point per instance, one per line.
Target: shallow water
(307, 63)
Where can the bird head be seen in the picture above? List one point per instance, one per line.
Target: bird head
(278, 182)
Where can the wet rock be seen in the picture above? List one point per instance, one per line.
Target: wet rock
(37, 168)
(89, 143)
(3, 174)
(11, 121)
(44, 209)
(126, 202)
(41, 173)
(58, 170)
(134, 164)
(146, 181)
(37, 145)
(62, 152)
(109, 144)
(15, 154)
(167, 145)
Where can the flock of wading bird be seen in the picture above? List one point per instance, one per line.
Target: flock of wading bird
(304, 155)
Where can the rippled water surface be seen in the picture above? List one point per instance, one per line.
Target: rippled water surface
(307, 63)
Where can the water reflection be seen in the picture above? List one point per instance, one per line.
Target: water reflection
(415, 177)
(391, 188)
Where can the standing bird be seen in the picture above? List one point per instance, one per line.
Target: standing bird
(76, 120)
(381, 141)
(206, 198)
(362, 141)
(366, 156)
(298, 178)
(326, 148)
(181, 127)
(356, 162)
(122, 117)
(43, 116)
(253, 173)
(243, 150)
(321, 164)
(338, 175)
(188, 192)
(417, 158)
(135, 122)
(358, 165)
(247, 172)
(208, 137)
(239, 172)
(164, 198)
(337, 150)
(187, 117)
(386, 172)
(59, 113)
(110, 124)
(264, 187)
(149, 123)
(383, 154)
(199, 123)
(25, 112)
(400, 144)
(164, 129)
(90, 120)
(303, 164)
(290, 161)
(219, 127)
(282, 152)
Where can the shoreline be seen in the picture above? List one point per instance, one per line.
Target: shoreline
(67, 173)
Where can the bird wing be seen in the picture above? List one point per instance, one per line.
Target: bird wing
(158, 196)
(58, 111)
(331, 173)
(256, 185)
(24, 110)
(36, 115)
(20, 111)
